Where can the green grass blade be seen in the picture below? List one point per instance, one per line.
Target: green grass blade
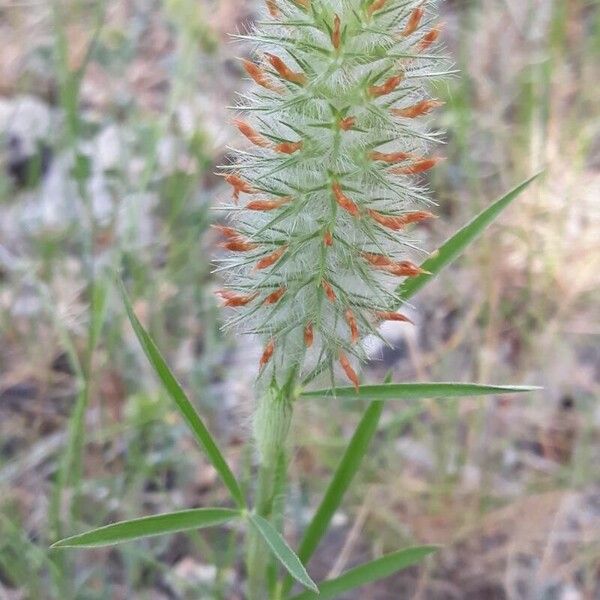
(282, 551)
(340, 482)
(126, 531)
(414, 391)
(185, 407)
(456, 245)
(369, 572)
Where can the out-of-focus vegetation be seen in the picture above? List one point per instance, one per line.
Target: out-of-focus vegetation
(112, 121)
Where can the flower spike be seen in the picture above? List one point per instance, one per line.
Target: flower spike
(333, 178)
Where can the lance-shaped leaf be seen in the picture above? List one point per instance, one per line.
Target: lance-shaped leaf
(282, 551)
(341, 480)
(446, 254)
(415, 391)
(456, 245)
(125, 531)
(187, 410)
(368, 573)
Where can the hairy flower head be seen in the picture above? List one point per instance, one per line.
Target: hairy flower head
(328, 182)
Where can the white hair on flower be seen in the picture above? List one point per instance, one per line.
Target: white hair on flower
(326, 189)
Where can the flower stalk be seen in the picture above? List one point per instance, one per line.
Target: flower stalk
(326, 188)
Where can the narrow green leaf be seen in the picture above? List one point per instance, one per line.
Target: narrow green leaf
(455, 246)
(185, 407)
(414, 391)
(369, 572)
(282, 551)
(126, 531)
(340, 482)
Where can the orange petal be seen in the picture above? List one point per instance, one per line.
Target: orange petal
(350, 372)
(387, 87)
(344, 201)
(233, 299)
(309, 335)
(273, 9)
(336, 34)
(329, 291)
(377, 5)
(289, 147)
(397, 222)
(351, 320)
(271, 259)
(229, 232)
(276, 296)
(419, 166)
(421, 108)
(377, 260)
(284, 70)
(251, 134)
(239, 245)
(430, 38)
(404, 269)
(260, 77)
(328, 238)
(389, 157)
(392, 316)
(413, 21)
(267, 353)
(347, 123)
(266, 205)
(239, 185)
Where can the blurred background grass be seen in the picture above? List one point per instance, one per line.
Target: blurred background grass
(112, 121)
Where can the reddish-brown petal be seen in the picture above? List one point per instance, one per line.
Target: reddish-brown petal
(267, 353)
(336, 34)
(233, 299)
(404, 269)
(273, 9)
(251, 133)
(419, 166)
(239, 245)
(260, 77)
(228, 232)
(347, 123)
(289, 147)
(397, 222)
(350, 372)
(389, 157)
(266, 205)
(309, 335)
(343, 200)
(239, 185)
(416, 110)
(305, 4)
(413, 21)
(351, 320)
(430, 38)
(271, 259)
(328, 238)
(387, 87)
(377, 260)
(377, 5)
(392, 316)
(285, 71)
(329, 291)
(276, 296)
